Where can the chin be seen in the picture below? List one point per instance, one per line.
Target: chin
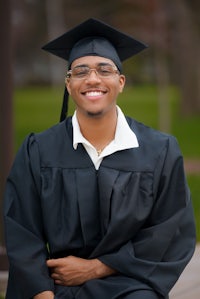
(95, 113)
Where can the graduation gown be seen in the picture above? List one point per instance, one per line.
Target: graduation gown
(134, 214)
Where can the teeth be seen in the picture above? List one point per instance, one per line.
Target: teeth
(94, 93)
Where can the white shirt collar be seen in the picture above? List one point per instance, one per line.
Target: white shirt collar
(125, 138)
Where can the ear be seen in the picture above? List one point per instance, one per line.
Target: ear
(122, 81)
(67, 84)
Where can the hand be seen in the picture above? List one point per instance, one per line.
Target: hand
(44, 295)
(73, 271)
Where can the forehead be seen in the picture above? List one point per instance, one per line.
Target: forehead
(91, 61)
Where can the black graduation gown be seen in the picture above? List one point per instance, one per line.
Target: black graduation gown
(134, 214)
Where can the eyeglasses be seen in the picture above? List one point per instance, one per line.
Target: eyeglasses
(83, 72)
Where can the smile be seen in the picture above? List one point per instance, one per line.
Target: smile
(94, 93)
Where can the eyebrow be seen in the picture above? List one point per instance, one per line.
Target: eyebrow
(98, 64)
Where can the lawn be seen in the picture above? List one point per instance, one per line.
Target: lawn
(36, 109)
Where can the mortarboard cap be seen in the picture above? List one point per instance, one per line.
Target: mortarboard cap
(93, 37)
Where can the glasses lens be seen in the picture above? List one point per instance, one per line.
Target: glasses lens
(80, 72)
(106, 70)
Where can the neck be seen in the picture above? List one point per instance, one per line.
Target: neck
(98, 131)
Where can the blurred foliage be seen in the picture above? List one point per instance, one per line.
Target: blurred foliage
(193, 181)
(38, 108)
(170, 28)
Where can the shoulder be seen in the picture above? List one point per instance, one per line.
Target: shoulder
(155, 145)
(49, 143)
(54, 133)
(52, 136)
(150, 136)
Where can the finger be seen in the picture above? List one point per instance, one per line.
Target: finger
(52, 263)
(57, 281)
(55, 262)
(56, 277)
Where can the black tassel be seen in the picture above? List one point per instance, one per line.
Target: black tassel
(64, 105)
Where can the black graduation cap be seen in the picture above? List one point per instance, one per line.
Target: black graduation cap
(93, 37)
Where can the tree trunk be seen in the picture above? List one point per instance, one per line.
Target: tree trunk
(55, 27)
(161, 67)
(186, 50)
(162, 78)
(6, 114)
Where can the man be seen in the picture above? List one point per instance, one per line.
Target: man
(98, 205)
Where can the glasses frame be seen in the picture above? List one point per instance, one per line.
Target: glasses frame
(114, 71)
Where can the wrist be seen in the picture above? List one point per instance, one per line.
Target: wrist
(45, 295)
(102, 270)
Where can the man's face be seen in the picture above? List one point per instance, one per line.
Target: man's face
(95, 94)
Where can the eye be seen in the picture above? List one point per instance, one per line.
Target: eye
(80, 71)
(105, 70)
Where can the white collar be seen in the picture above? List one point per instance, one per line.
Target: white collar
(125, 138)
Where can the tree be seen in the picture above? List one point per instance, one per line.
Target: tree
(6, 118)
(185, 49)
(55, 27)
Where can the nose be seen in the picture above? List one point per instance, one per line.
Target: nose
(93, 76)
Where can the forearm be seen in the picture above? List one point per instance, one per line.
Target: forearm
(101, 270)
(44, 295)
(72, 271)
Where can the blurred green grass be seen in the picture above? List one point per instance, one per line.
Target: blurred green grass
(37, 108)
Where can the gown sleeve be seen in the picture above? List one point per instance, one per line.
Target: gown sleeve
(25, 239)
(163, 247)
